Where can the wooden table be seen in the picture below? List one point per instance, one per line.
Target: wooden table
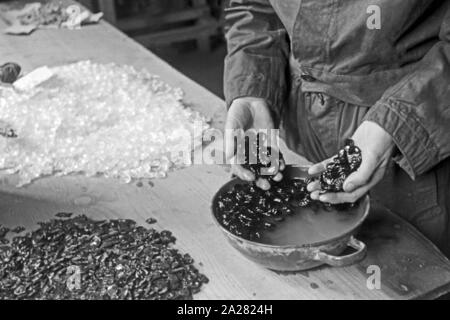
(411, 267)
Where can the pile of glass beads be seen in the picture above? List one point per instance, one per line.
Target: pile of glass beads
(97, 119)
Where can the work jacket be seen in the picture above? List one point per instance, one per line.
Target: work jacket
(391, 56)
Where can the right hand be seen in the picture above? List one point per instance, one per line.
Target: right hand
(248, 113)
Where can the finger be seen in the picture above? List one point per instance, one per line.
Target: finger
(242, 173)
(314, 186)
(278, 177)
(315, 195)
(363, 175)
(282, 165)
(263, 184)
(344, 197)
(319, 167)
(273, 169)
(350, 197)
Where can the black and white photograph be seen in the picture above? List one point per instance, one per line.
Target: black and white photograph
(224, 155)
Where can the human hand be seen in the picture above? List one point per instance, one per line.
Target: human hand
(376, 147)
(248, 113)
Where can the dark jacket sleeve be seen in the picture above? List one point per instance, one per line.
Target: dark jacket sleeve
(416, 111)
(258, 50)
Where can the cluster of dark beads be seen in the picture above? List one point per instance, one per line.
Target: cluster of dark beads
(116, 259)
(347, 161)
(246, 211)
(259, 157)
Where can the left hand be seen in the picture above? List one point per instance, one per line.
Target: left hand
(376, 147)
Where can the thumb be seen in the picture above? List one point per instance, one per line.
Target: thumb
(319, 167)
(363, 175)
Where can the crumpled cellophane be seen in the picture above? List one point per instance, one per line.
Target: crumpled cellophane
(97, 119)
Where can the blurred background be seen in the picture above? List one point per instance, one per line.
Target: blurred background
(188, 34)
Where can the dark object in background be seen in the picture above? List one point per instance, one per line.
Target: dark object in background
(116, 259)
(8, 132)
(9, 72)
(64, 215)
(4, 231)
(156, 23)
(346, 162)
(151, 221)
(246, 210)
